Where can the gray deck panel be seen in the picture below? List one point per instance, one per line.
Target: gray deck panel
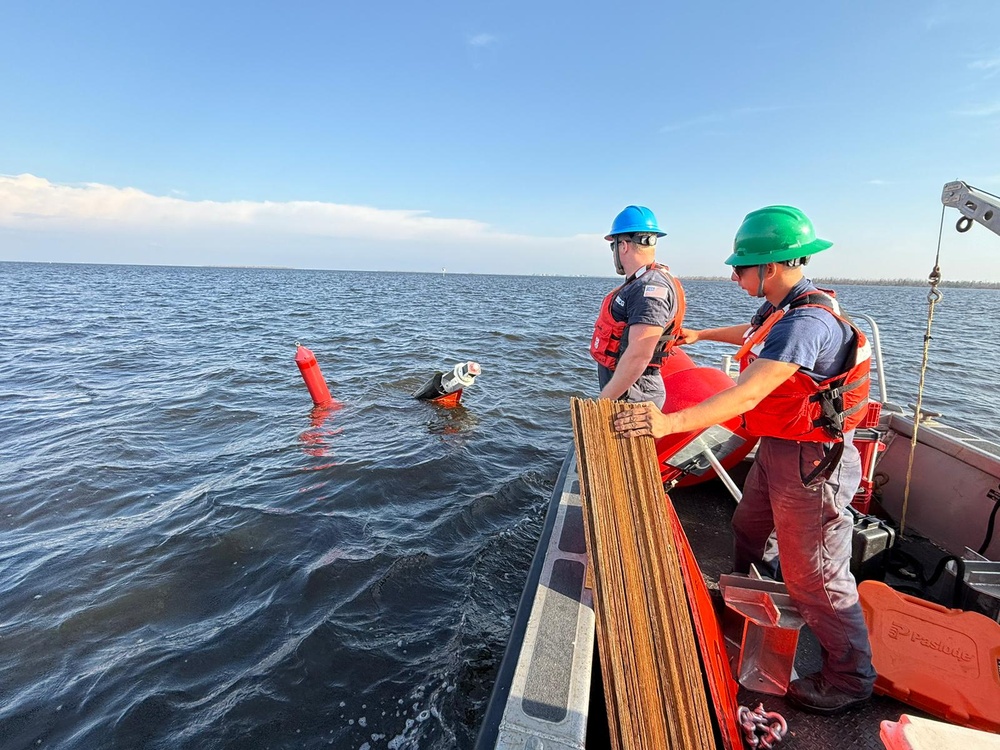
(705, 511)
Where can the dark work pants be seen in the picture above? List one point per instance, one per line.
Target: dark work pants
(814, 532)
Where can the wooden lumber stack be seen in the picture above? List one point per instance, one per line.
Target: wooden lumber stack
(653, 682)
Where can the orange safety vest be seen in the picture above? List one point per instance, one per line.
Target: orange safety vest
(606, 342)
(801, 408)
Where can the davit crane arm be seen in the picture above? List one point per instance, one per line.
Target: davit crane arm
(975, 205)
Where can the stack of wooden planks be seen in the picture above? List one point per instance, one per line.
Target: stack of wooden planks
(653, 681)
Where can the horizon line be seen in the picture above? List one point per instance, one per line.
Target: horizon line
(898, 281)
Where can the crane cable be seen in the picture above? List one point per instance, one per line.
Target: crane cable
(933, 297)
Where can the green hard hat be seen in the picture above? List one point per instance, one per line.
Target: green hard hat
(773, 234)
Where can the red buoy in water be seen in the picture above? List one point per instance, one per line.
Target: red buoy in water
(312, 376)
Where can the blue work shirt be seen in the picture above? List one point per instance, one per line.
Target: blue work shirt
(809, 337)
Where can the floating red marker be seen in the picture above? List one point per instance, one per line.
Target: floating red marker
(312, 376)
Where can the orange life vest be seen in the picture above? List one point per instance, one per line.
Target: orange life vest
(605, 344)
(801, 408)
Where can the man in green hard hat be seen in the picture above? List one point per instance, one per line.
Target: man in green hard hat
(803, 388)
(639, 321)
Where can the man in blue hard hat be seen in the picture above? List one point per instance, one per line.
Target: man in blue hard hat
(803, 389)
(641, 319)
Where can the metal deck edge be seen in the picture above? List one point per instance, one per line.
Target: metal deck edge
(545, 704)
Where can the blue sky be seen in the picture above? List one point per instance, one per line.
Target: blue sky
(492, 137)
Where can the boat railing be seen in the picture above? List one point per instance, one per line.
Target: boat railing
(876, 344)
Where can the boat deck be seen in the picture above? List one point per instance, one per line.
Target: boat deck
(548, 688)
(705, 511)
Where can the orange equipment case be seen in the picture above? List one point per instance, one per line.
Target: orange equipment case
(944, 661)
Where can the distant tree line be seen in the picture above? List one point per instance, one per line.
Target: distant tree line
(878, 282)
(912, 282)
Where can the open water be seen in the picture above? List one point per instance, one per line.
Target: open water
(191, 556)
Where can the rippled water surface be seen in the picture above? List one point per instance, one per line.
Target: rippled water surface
(191, 556)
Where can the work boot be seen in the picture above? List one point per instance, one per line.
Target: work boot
(814, 694)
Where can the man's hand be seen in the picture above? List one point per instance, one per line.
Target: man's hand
(644, 419)
(687, 336)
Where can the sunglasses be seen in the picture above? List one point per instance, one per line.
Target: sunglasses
(738, 270)
(616, 242)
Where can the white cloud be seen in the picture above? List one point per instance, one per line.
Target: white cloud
(991, 66)
(95, 223)
(30, 202)
(940, 15)
(719, 117)
(987, 110)
(693, 122)
(42, 220)
(481, 40)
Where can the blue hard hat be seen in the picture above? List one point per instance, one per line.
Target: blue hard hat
(634, 219)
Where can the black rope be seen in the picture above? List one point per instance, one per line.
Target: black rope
(906, 565)
(989, 528)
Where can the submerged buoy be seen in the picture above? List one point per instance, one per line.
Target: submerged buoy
(312, 376)
(445, 388)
